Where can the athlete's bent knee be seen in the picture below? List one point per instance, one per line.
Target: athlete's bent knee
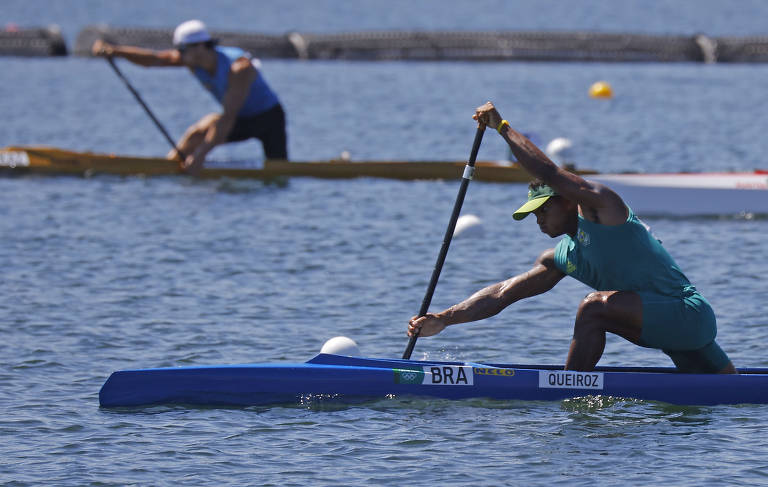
(592, 306)
(206, 122)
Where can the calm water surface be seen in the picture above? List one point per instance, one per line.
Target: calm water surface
(107, 273)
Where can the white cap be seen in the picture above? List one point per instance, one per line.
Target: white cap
(190, 32)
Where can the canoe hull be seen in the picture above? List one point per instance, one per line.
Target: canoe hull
(676, 194)
(692, 194)
(348, 378)
(47, 160)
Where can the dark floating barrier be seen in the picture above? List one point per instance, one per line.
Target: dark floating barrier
(459, 46)
(500, 46)
(35, 41)
(741, 49)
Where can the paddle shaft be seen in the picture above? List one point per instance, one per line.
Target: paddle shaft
(144, 105)
(468, 171)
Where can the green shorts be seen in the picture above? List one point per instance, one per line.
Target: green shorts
(683, 328)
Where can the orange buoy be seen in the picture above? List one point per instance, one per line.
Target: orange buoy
(600, 89)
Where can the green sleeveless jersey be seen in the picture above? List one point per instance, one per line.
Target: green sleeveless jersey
(624, 257)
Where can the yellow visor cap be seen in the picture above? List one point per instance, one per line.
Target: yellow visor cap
(536, 198)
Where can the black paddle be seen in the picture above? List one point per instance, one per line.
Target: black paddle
(146, 108)
(469, 170)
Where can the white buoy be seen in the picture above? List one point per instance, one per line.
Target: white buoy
(559, 150)
(341, 346)
(468, 226)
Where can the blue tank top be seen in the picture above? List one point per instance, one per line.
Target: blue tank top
(260, 99)
(624, 257)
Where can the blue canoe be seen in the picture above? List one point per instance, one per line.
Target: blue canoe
(342, 377)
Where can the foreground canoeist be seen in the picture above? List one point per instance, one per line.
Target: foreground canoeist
(250, 107)
(641, 294)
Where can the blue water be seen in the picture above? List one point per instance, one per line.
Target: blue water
(106, 273)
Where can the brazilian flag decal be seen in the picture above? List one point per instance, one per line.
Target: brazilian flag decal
(409, 376)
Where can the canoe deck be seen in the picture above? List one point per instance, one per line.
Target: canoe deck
(347, 378)
(672, 194)
(48, 160)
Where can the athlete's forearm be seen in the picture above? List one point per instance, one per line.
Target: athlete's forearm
(145, 57)
(491, 300)
(483, 304)
(528, 155)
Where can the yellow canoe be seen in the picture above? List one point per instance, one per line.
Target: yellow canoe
(48, 160)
